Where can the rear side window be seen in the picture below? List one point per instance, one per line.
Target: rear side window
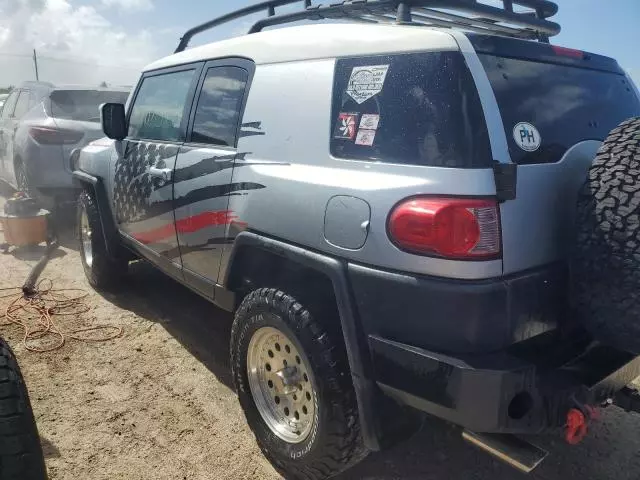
(159, 107)
(218, 109)
(417, 108)
(22, 106)
(82, 105)
(547, 107)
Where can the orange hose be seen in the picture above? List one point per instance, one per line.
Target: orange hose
(46, 304)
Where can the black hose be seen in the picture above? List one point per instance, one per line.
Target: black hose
(29, 287)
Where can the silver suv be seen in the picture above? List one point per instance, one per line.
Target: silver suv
(40, 125)
(389, 210)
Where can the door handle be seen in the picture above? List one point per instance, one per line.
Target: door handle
(163, 174)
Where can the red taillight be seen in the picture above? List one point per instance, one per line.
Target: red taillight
(567, 52)
(449, 227)
(55, 136)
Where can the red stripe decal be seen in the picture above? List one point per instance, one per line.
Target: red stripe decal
(186, 225)
(155, 234)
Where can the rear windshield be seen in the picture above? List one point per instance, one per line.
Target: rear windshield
(82, 104)
(418, 109)
(547, 108)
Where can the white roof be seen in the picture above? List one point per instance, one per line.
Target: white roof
(306, 42)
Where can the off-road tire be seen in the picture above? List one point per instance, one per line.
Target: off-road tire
(606, 260)
(105, 271)
(20, 450)
(336, 443)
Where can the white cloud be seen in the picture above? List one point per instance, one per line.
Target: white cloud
(74, 44)
(129, 5)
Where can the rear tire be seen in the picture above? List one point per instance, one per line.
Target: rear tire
(20, 450)
(102, 270)
(332, 443)
(606, 263)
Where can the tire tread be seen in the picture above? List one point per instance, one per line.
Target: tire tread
(343, 446)
(606, 257)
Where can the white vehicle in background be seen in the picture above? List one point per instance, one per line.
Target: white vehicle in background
(3, 97)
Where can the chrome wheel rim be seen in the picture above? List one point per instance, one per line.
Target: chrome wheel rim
(85, 238)
(281, 384)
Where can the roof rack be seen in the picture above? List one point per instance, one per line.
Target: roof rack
(469, 15)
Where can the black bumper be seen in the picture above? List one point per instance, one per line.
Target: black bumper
(459, 316)
(513, 362)
(499, 392)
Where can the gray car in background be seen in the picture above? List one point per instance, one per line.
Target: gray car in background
(40, 125)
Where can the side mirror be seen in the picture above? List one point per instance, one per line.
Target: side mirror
(114, 123)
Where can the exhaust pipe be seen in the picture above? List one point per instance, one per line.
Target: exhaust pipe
(510, 449)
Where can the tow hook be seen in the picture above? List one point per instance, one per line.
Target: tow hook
(578, 419)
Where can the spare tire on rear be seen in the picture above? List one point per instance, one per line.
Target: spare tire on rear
(606, 256)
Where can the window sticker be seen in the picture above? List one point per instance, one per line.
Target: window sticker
(365, 137)
(369, 121)
(346, 126)
(527, 137)
(365, 82)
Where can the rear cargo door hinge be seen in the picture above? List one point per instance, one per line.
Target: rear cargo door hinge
(506, 178)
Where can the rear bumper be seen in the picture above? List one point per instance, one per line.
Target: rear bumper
(460, 316)
(46, 167)
(513, 362)
(499, 392)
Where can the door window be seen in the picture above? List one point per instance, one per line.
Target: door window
(159, 107)
(22, 106)
(219, 104)
(9, 105)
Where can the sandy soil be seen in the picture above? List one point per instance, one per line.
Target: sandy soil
(158, 403)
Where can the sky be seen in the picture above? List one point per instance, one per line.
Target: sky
(90, 41)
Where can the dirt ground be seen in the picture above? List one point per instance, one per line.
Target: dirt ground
(158, 402)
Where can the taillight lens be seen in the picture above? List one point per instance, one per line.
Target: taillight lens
(55, 136)
(448, 227)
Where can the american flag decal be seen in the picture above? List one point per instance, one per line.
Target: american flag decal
(132, 184)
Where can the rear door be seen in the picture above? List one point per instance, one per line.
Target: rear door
(204, 167)
(142, 183)
(557, 106)
(21, 108)
(7, 123)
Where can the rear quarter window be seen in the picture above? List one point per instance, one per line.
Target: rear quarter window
(417, 109)
(566, 104)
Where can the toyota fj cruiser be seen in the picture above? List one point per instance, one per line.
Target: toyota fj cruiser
(423, 208)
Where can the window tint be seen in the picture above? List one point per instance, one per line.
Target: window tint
(22, 106)
(419, 108)
(219, 103)
(9, 105)
(159, 106)
(565, 104)
(83, 105)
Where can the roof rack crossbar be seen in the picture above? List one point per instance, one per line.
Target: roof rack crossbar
(469, 14)
(483, 24)
(473, 26)
(269, 6)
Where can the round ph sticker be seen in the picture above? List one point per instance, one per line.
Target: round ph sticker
(527, 137)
